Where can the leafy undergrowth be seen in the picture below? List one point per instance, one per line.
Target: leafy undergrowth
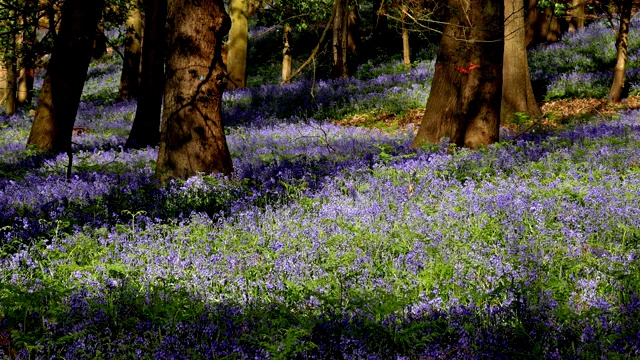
(330, 240)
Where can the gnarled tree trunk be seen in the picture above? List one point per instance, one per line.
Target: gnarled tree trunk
(464, 101)
(60, 95)
(192, 140)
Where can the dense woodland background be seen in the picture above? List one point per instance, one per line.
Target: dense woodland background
(319, 179)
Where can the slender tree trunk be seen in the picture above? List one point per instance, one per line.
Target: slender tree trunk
(353, 38)
(406, 55)
(237, 44)
(192, 140)
(11, 102)
(340, 24)
(60, 95)
(619, 73)
(145, 130)
(130, 76)
(517, 93)
(464, 101)
(27, 61)
(3, 82)
(542, 25)
(287, 59)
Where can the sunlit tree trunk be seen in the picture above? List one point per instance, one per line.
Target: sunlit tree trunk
(237, 44)
(287, 59)
(130, 76)
(145, 130)
(541, 24)
(406, 55)
(62, 87)
(577, 15)
(192, 139)
(464, 101)
(340, 36)
(517, 93)
(615, 94)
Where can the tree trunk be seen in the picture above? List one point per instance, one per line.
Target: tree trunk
(60, 94)
(145, 130)
(541, 25)
(615, 94)
(3, 82)
(192, 140)
(517, 93)
(99, 43)
(406, 55)
(577, 15)
(130, 76)
(464, 101)
(27, 62)
(287, 59)
(340, 32)
(237, 44)
(11, 98)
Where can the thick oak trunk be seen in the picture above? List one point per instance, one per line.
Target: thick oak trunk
(145, 130)
(464, 101)
(192, 140)
(60, 94)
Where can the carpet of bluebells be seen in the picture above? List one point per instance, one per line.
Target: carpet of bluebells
(329, 241)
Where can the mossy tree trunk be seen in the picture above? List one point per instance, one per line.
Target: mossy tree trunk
(192, 139)
(145, 130)
(464, 102)
(62, 87)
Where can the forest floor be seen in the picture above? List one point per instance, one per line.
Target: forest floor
(557, 113)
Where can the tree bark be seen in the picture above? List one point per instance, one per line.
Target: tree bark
(10, 103)
(464, 101)
(287, 59)
(619, 73)
(340, 36)
(517, 93)
(62, 87)
(406, 55)
(237, 44)
(192, 140)
(130, 76)
(577, 15)
(145, 130)
(27, 61)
